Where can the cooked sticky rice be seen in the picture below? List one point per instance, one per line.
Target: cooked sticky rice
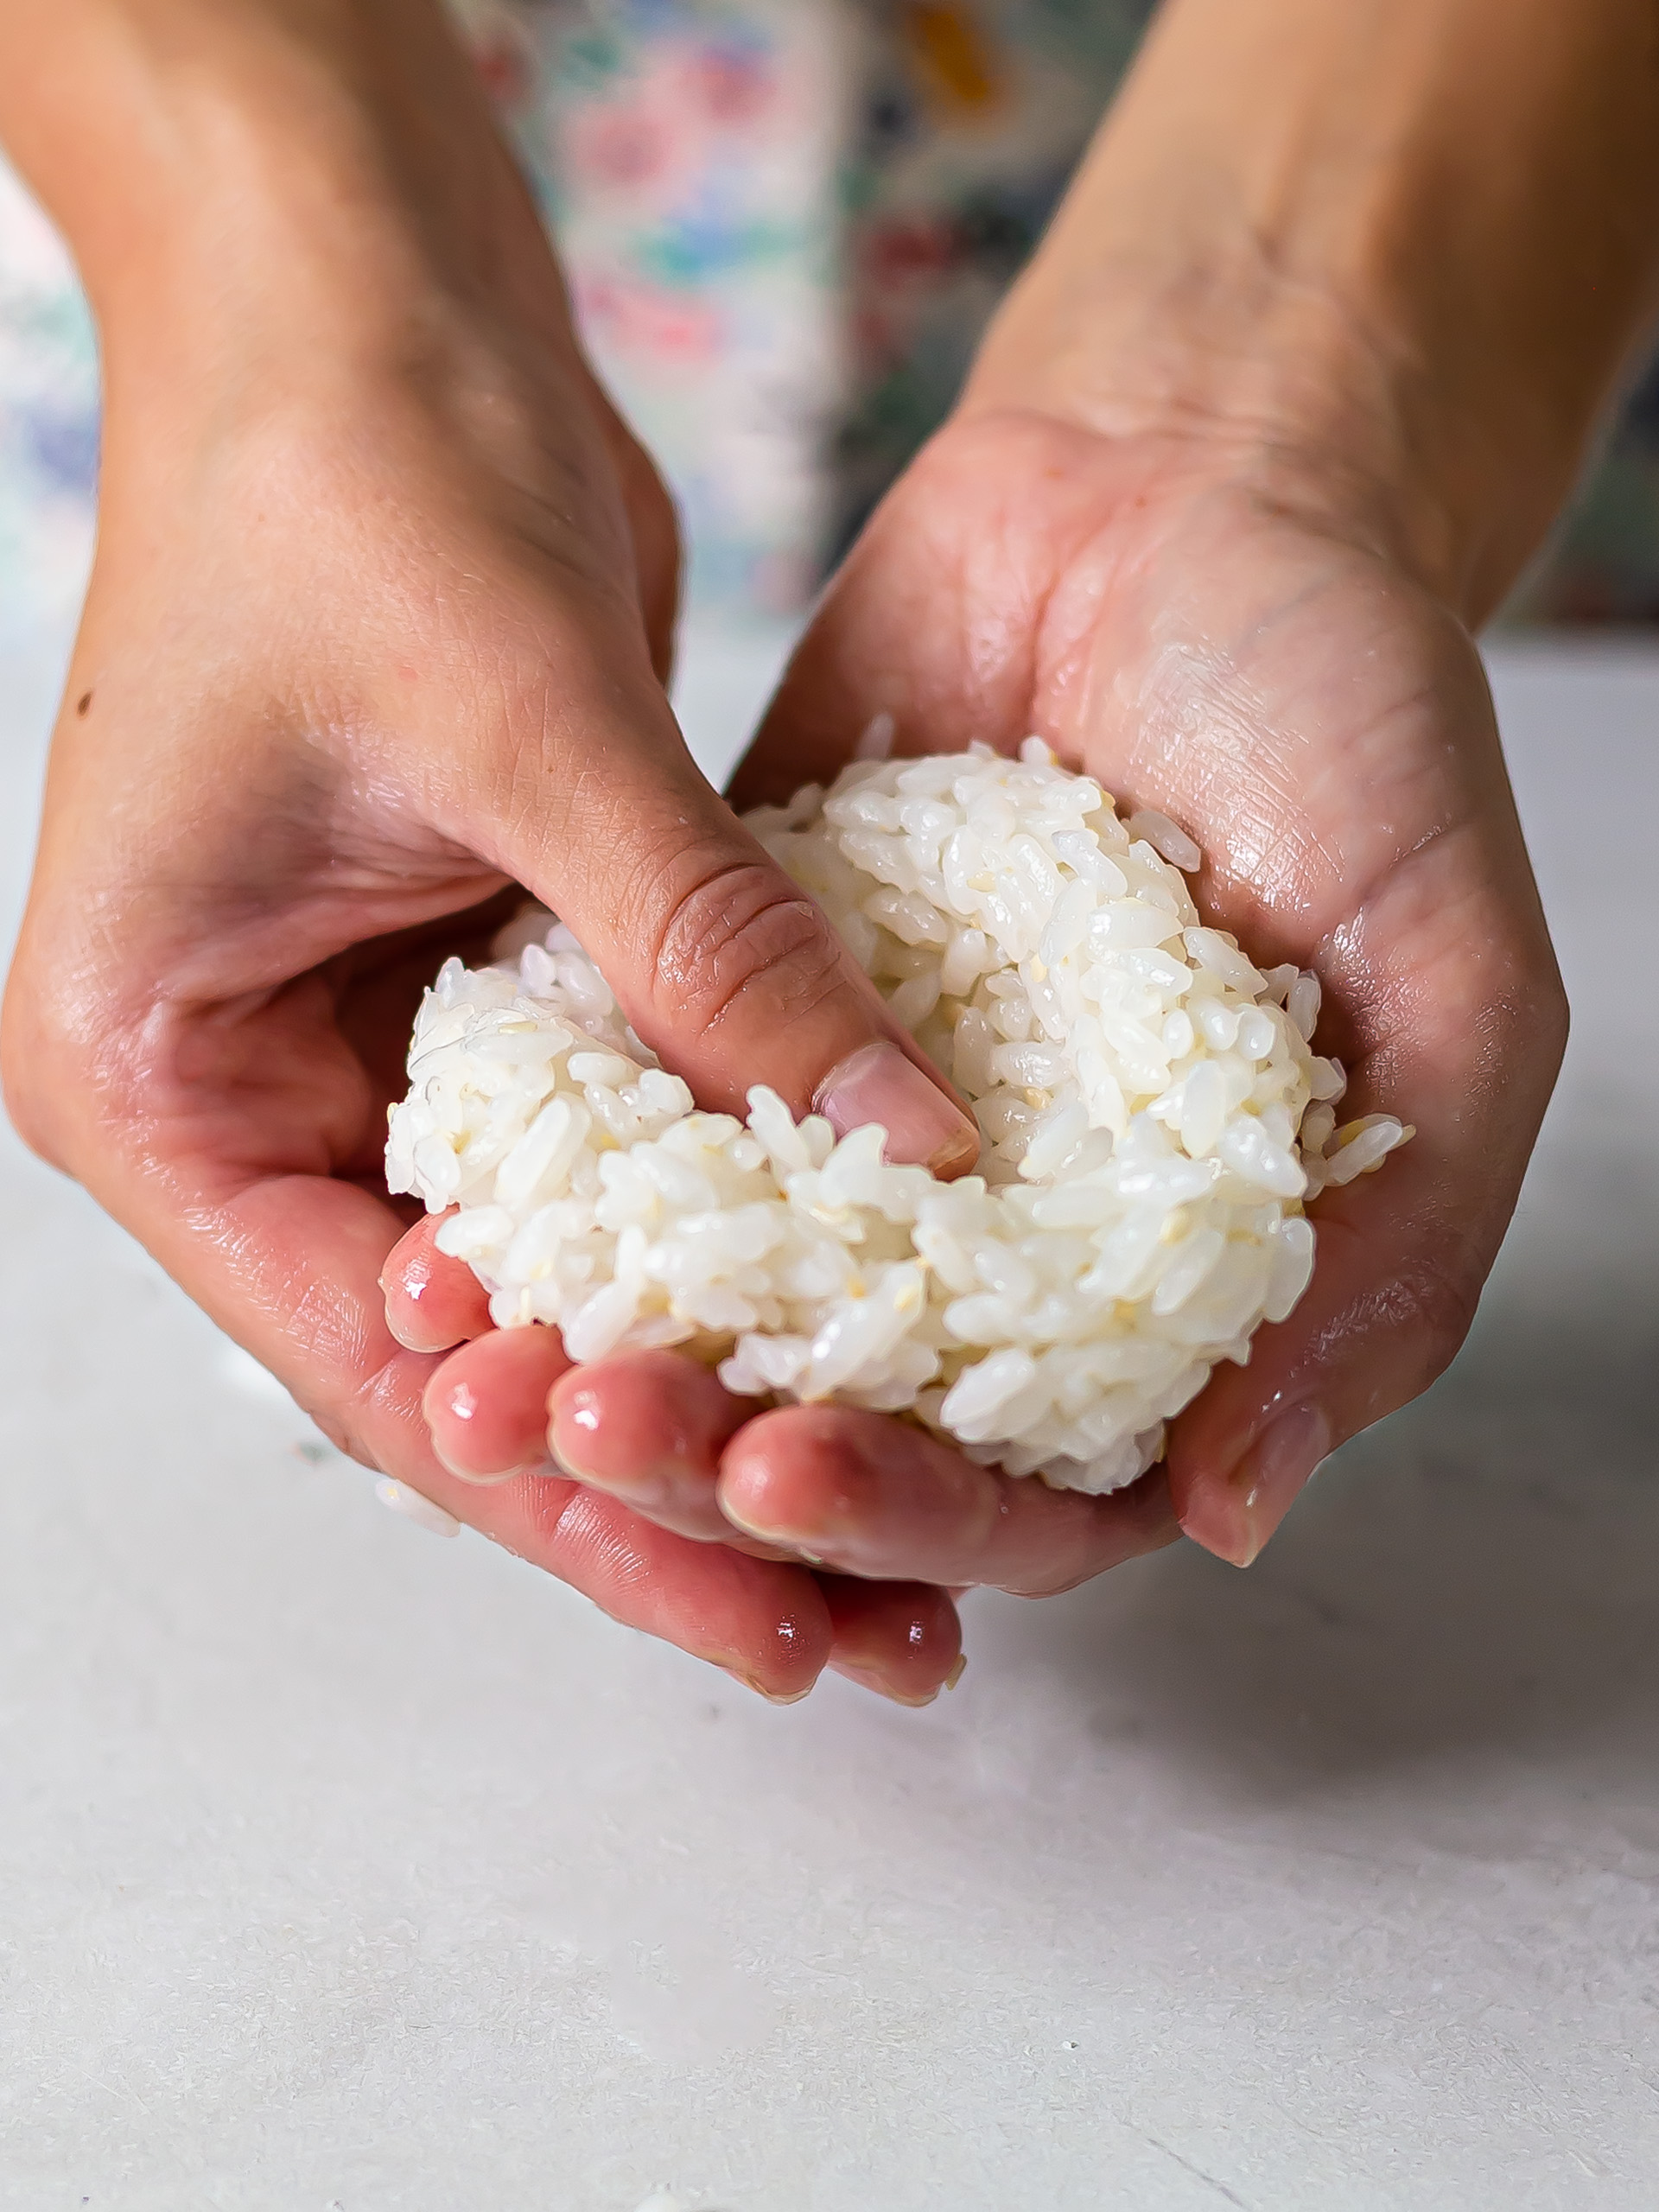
(1155, 1122)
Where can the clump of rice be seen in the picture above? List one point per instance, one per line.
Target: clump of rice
(1154, 1120)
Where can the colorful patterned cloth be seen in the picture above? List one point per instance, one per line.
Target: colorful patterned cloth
(687, 157)
(785, 222)
(48, 422)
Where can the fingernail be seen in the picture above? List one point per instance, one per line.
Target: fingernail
(643, 1488)
(958, 1671)
(1267, 1481)
(788, 1540)
(408, 1327)
(868, 1678)
(878, 1083)
(408, 1333)
(842, 1529)
(834, 1540)
(773, 1697)
(483, 1477)
(398, 1498)
(568, 1463)
(412, 1334)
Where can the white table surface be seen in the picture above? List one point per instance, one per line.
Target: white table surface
(344, 1868)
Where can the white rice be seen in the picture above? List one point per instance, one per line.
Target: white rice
(1153, 1117)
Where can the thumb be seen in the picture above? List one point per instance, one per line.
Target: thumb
(726, 968)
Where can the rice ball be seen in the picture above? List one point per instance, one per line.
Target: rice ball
(1154, 1121)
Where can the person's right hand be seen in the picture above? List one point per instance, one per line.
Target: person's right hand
(379, 630)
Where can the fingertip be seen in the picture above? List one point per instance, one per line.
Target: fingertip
(485, 1405)
(648, 1417)
(766, 1625)
(732, 973)
(793, 1475)
(927, 1125)
(902, 1640)
(783, 1662)
(773, 1697)
(649, 1428)
(433, 1302)
(1233, 1511)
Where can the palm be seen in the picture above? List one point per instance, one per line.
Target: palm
(1325, 732)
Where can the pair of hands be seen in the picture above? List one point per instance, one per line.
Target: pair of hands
(378, 630)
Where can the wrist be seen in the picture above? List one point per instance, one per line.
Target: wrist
(244, 181)
(1391, 259)
(1280, 387)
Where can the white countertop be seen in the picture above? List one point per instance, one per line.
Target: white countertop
(342, 1867)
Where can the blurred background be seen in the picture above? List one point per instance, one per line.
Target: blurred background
(785, 222)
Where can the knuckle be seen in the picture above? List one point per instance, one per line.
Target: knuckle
(1427, 1310)
(1526, 1017)
(1439, 1297)
(1552, 1021)
(746, 938)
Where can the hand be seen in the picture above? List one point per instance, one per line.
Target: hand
(1286, 398)
(1321, 725)
(377, 631)
(200, 1028)
(1322, 728)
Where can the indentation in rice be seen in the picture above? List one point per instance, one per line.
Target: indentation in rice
(1154, 1116)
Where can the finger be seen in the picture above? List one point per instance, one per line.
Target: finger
(290, 1265)
(902, 1640)
(1395, 1288)
(432, 1301)
(724, 966)
(649, 1428)
(869, 1496)
(656, 1426)
(1465, 1045)
(765, 1623)
(485, 1406)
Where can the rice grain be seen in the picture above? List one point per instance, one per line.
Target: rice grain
(1154, 1120)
